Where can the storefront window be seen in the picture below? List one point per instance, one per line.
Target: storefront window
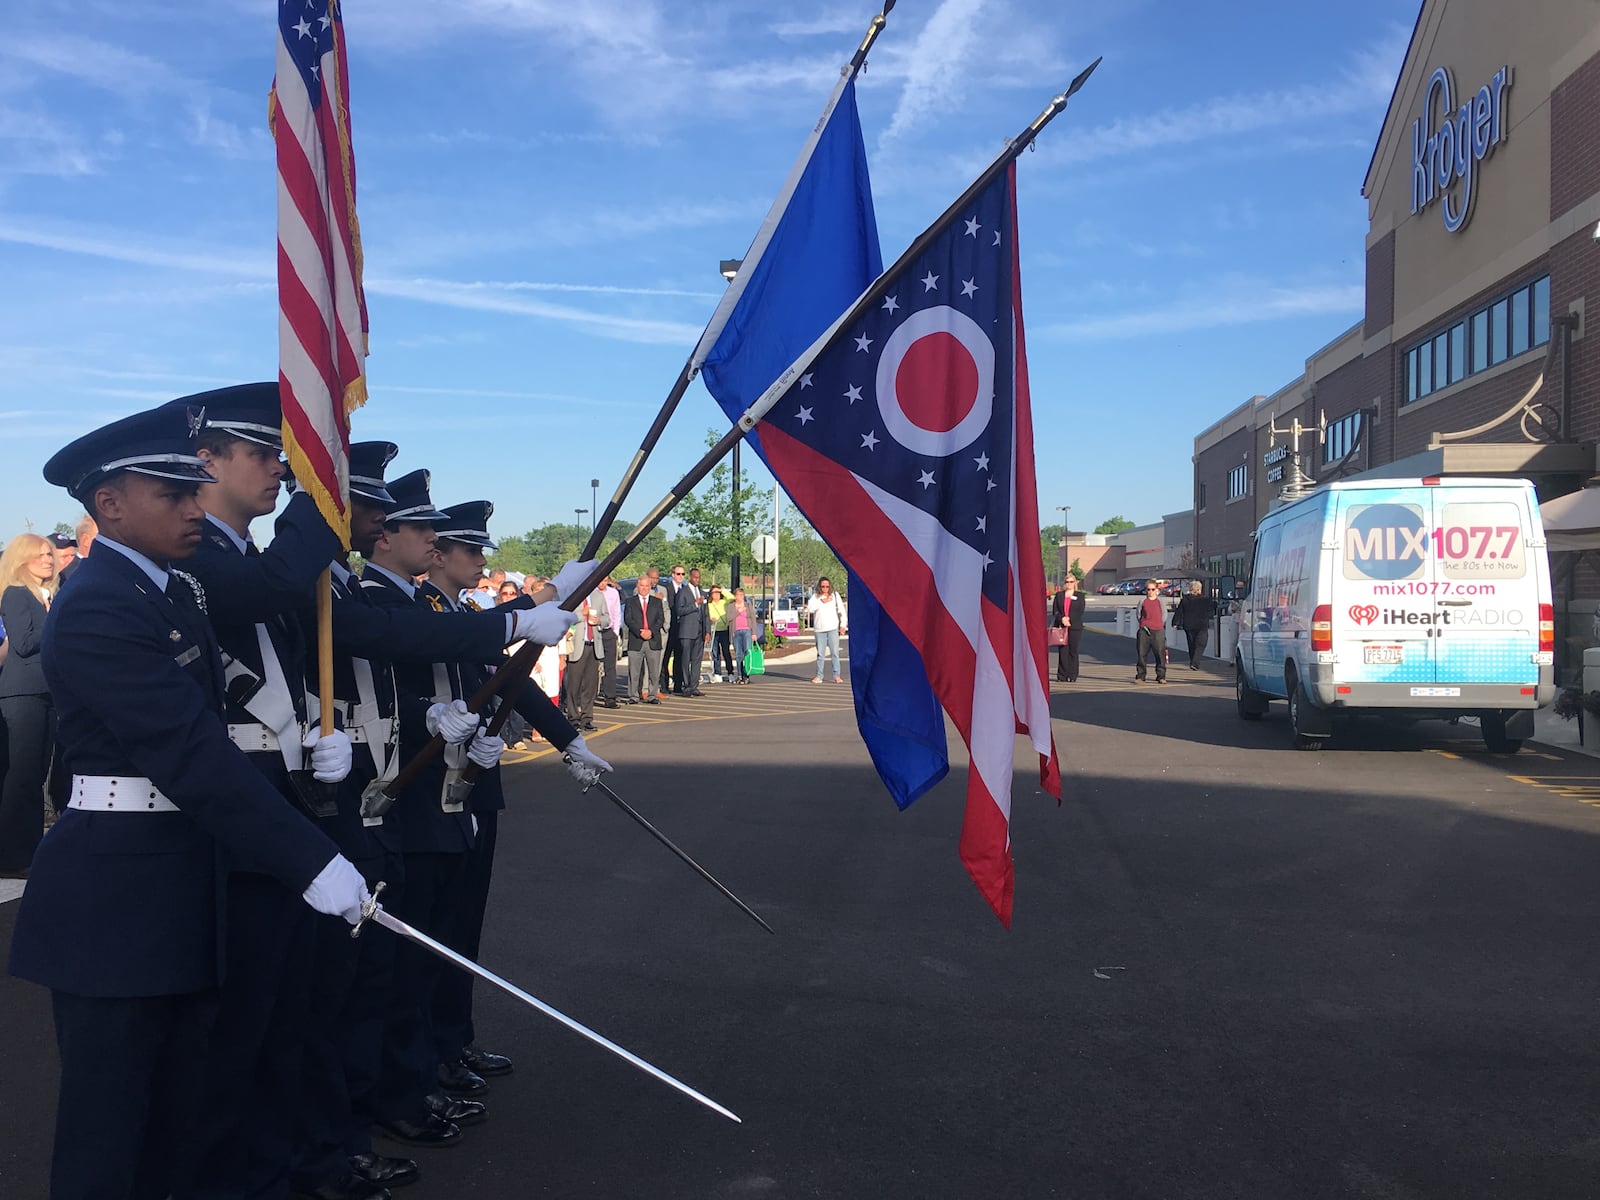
(1519, 321)
(1510, 326)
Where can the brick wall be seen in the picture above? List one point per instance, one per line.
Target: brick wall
(1380, 285)
(1575, 138)
(1575, 274)
(1225, 528)
(1356, 385)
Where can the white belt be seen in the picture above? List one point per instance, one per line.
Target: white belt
(106, 793)
(253, 738)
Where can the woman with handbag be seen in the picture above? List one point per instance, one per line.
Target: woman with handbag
(1066, 628)
(28, 577)
(827, 620)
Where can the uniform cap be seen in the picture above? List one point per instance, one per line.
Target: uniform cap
(368, 461)
(467, 522)
(410, 500)
(159, 442)
(250, 411)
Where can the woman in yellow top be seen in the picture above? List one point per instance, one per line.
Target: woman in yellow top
(721, 652)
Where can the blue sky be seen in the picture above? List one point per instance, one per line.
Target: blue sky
(547, 187)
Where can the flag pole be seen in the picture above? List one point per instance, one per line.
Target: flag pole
(512, 687)
(325, 647)
(520, 664)
(735, 289)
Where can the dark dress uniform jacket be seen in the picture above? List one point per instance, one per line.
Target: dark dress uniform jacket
(418, 818)
(636, 615)
(126, 904)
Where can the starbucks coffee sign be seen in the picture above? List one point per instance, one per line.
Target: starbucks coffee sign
(1448, 144)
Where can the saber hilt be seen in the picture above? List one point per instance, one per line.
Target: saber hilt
(369, 908)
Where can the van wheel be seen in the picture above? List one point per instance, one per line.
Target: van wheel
(1297, 703)
(1251, 702)
(1494, 735)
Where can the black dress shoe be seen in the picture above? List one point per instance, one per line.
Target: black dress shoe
(461, 1080)
(380, 1168)
(608, 703)
(457, 1112)
(19, 873)
(429, 1132)
(478, 1059)
(347, 1187)
(587, 725)
(653, 700)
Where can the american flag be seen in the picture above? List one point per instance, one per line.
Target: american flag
(322, 312)
(908, 444)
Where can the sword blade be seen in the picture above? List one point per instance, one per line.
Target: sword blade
(670, 845)
(398, 926)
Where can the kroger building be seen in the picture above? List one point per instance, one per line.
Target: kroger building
(1483, 201)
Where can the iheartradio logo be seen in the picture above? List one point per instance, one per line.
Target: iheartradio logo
(1363, 614)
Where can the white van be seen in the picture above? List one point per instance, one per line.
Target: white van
(1401, 599)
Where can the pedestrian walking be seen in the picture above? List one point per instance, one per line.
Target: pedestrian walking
(1194, 615)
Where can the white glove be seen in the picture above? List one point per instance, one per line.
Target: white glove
(338, 890)
(572, 577)
(544, 624)
(486, 751)
(584, 764)
(331, 756)
(452, 722)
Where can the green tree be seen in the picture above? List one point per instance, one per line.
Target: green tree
(1117, 524)
(1076, 570)
(706, 515)
(63, 527)
(1050, 538)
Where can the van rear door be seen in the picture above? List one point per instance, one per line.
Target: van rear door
(1488, 585)
(1384, 610)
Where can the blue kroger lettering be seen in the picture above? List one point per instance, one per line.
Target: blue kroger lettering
(1463, 138)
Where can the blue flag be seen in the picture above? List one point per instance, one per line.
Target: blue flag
(815, 254)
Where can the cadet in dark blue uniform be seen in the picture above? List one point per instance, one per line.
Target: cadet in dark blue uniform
(256, 1070)
(354, 980)
(462, 539)
(122, 918)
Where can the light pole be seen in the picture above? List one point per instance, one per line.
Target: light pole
(729, 268)
(1066, 528)
(579, 513)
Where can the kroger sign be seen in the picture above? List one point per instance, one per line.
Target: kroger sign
(1448, 153)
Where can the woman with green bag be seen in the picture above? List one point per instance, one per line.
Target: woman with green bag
(741, 623)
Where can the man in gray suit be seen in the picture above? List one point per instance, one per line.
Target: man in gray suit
(583, 664)
(688, 627)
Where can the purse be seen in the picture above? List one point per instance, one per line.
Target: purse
(1056, 635)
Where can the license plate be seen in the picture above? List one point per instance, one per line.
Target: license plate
(1384, 655)
(1436, 691)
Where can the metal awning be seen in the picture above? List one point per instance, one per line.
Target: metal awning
(1520, 459)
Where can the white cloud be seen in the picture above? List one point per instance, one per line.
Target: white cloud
(470, 296)
(97, 63)
(837, 20)
(522, 285)
(32, 143)
(1363, 86)
(934, 65)
(1236, 303)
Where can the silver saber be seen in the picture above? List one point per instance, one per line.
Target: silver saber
(371, 912)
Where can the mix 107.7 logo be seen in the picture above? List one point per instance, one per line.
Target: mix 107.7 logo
(1472, 540)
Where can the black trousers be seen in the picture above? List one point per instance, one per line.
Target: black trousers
(30, 723)
(722, 653)
(687, 665)
(255, 1068)
(409, 1070)
(1067, 656)
(133, 1073)
(1197, 642)
(351, 981)
(1151, 642)
(608, 664)
(452, 995)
